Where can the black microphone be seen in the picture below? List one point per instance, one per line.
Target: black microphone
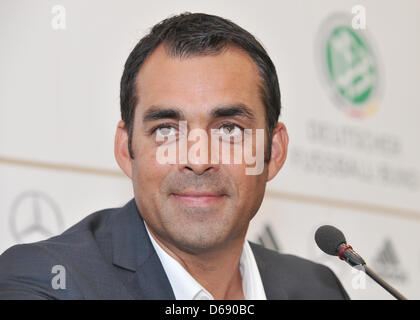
(332, 241)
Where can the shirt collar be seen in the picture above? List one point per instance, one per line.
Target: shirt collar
(185, 287)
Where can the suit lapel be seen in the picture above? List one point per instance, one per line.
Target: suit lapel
(271, 277)
(139, 267)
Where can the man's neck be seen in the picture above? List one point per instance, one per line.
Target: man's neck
(217, 270)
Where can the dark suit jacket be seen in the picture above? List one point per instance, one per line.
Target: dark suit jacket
(108, 255)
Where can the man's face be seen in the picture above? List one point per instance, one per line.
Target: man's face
(196, 205)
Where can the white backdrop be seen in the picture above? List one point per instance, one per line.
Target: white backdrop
(60, 67)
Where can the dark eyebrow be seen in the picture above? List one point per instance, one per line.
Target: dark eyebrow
(157, 113)
(236, 110)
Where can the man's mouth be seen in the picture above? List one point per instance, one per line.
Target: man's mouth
(198, 198)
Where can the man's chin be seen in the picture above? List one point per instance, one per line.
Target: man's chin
(199, 217)
(198, 237)
(198, 246)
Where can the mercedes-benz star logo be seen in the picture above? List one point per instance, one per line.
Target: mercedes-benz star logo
(34, 216)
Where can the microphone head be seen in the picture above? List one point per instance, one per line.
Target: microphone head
(329, 238)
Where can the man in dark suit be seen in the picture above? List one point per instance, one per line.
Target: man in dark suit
(183, 234)
(108, 255)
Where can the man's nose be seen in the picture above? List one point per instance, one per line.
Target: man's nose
(197, 157)
(198, 169)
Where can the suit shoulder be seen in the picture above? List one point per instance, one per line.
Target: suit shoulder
(80, 235)
(288, 261)
(302, 278)
(74, 241)
(26, 270)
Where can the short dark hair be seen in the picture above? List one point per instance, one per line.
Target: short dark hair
(194, 34)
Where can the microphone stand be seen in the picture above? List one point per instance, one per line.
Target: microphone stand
(346, 253)
(383, 283)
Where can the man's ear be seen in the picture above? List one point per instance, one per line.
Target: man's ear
(121, 152)
(279, 144)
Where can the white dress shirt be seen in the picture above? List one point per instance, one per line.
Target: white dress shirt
(185, 287)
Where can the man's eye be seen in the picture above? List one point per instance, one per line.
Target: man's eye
(165, 131)
(230, 129)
